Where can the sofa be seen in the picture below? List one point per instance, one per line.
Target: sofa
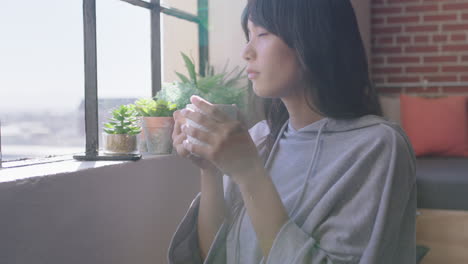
(442, 199)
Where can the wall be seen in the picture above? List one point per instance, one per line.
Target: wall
(118, 214)
(420, 43)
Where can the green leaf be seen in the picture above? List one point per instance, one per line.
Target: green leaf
(190, 68)
(182, 77)
(109, 131)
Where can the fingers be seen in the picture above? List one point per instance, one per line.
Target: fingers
(198, 134)
(200, 119)
(209, 109)
(200, 150)
(179, 120)
(178, 145)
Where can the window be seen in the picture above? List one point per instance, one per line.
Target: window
(125, 54)
(41, 80)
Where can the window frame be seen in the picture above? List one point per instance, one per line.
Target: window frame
(90, 63)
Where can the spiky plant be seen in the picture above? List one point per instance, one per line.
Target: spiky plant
(124, 120)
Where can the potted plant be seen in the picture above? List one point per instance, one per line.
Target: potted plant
(120, 132)
(157, 123)
(217, 88)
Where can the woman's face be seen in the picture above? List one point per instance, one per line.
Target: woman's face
(272, 66)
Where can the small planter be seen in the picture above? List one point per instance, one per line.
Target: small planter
(115, 144)
(158, 134)
(141, 141)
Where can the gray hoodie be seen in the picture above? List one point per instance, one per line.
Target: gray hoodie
(349, 189)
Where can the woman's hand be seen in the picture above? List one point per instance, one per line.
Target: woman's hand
(177, 141)
(229, 145)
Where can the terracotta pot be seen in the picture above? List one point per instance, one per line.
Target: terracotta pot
(120, 144)
(158, 134)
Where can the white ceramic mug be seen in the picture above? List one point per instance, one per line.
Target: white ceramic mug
(229, 110)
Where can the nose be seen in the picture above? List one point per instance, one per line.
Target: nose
(248, 53)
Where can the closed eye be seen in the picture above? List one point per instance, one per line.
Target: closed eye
(262, 34)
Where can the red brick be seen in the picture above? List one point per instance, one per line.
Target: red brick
(438, 59)
(378, 60)
(385, 40)
(403, 59)
(421, 69)
(386, 30)
(401, 1)
(390, 90)
(422, 8)
(439, 38)
(452, 27)
(460, 47)
(386, 70)
(431, 78)
(403, 79)
(431, 89)
(403, 39)
(402, 19)
(464, 17)
(455, 69)
(418, 49)
(461, 89)
(377, 21)
(464, 78)
(455, 6)
(386, 50)
(458, 37)
(422, 28)
(431, 18)
(464, 58)
(421, 38)
(386, 10)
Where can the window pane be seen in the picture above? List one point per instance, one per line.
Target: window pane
(124, 55)
(189, 6)
(186, 41)
(41, 78)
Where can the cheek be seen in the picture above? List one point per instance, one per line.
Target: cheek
(280, 77)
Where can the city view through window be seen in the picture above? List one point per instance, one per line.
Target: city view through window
(42, 66)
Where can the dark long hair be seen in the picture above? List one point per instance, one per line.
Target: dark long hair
(328, 44)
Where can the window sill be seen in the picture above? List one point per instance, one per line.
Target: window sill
(24, 170)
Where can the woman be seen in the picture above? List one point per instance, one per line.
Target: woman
(324, 179)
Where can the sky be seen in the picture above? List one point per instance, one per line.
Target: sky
(41, 53)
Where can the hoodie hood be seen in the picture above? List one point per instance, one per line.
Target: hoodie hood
(340, 125)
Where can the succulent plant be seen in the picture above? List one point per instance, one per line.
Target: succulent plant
(154, 107)
(124, 120)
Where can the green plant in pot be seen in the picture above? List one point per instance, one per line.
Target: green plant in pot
(157, 123)
(218, 88)
(120, 133)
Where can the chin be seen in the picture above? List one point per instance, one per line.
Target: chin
(266, 92)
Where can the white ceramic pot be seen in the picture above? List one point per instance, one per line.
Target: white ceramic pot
(115, 144)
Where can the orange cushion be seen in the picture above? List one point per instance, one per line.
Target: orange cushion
(436, 126)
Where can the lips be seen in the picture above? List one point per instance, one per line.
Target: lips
(252, 74)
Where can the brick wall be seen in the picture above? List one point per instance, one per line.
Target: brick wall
(420, 46)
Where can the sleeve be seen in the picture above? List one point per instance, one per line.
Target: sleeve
(184, 247)
(373, 224)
